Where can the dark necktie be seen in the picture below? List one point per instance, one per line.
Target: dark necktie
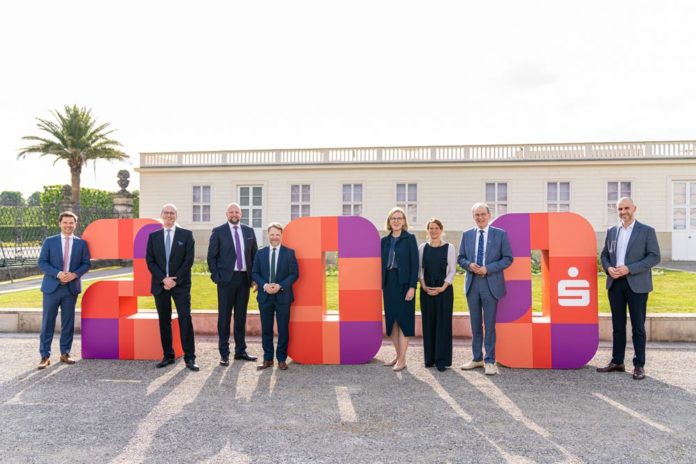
(168, 248)
(479, 253)
(273, 265)
(238, 248)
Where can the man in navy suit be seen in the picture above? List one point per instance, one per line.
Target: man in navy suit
(169, 258)
(629, 254)
(231, 253)
(275, 270)
(485, 253)
(64, 259)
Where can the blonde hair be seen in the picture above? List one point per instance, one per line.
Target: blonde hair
(391, 213)
(274, 225)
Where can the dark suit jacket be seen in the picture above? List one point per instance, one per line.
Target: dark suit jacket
(498, 258)
(406, 258)
(222, 254)
(180, 259)
(51, 263)
(642, 254)
(287, 272)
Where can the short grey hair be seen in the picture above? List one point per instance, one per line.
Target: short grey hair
(479, 205)
(170, 205)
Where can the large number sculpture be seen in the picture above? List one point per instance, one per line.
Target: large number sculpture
(112, 327)
(354, 335)
(566, 335)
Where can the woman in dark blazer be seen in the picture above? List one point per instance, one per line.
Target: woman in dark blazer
(399, 278)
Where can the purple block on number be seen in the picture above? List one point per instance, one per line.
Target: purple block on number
(516, 302)
(360, 341)
(357, 238)
(573, 345)
(518, 228)
(99, 338)
(140, 242)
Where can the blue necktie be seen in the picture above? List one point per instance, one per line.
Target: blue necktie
(479, 253)
(168, 248)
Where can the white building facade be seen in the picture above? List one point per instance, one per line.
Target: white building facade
(434, 181)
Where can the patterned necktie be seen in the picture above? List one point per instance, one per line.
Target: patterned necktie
(168, 248)
(479, 253)
(66, 255)
(273, 265)
(238, 248)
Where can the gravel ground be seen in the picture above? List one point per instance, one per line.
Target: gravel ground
(127, 411)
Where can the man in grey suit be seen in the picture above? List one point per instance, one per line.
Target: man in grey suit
(485, 253)
(630, 252)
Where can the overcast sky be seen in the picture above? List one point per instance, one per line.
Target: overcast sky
(172, 75)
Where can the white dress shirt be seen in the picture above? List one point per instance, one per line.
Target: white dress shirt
(241, 244)
(63, 238)
(622, 239)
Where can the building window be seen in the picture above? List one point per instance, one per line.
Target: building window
(299, 200)
(616, 190)
(496, 197)
(201, 203)
(352, 199)
(407, 198)
(558, 196)
(251, 204)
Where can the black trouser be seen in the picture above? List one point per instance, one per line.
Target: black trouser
(620, 295)
(182, 300)
(233, 297)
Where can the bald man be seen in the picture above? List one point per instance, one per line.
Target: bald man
(630, 252)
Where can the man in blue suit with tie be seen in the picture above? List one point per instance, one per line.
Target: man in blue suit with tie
(231, 253)
(485, 253)
(629, 254)
(275, 270)
(64, 259)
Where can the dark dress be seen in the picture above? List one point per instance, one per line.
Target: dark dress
(436, 311)
(397, 281)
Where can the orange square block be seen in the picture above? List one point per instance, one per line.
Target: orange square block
(542, 345)
(360, 305)
(310, 288)
(520, 269)
(305, 344)
(125, 239)
(573, 290)
(304, 236)
(571, 235)
(141, 277)
(101, 235)
(147, 344)
(331, 347)
(539, 231)
(329, 233)
(300, 313)
(126, 338)
(103, 300)
(360, 273)
(513, 347)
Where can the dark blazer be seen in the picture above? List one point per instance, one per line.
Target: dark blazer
(51, 263)
(287, 272)
(222, 254)
(180, 259)
(642, 254)
(498, 258)
(406, 258)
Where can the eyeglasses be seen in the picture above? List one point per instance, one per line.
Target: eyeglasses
(395, 218)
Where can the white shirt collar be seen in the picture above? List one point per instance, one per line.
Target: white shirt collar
(485, 230)
(629, 227)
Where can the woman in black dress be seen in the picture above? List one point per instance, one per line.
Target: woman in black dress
(399, 279)
(438, 266)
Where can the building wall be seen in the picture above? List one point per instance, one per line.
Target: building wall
(446, 191)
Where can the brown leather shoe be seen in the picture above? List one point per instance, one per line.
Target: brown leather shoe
(611, 367)
(44, 363)
(638, 373)
(265, 365)
(282, 365)
(65, 358)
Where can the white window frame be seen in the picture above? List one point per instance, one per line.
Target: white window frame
(199, 216)
(250, 208)
(556, 204)
(496, 204)
(352, 203)
(406, 203)
(303, 205)
(612, 217)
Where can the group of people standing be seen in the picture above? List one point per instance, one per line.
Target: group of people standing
(238, 267)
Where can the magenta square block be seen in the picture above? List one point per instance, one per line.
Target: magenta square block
(517, 226)
(99, 338)
(573, 345)
(140, 242)
(357, 238)
(516, 302)
(360, 341)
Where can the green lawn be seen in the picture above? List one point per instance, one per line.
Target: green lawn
(674, 292)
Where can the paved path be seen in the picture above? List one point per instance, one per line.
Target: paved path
(688, 266)
(35, 282)
(128, 411)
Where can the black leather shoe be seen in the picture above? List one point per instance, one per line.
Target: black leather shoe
(429, 364)
(224, 361)
(192, 366)
(164, 362)
(611, 367)
(441, 368)
(245, 357)
(638, 373)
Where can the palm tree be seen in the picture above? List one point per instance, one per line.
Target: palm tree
(75, 137)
